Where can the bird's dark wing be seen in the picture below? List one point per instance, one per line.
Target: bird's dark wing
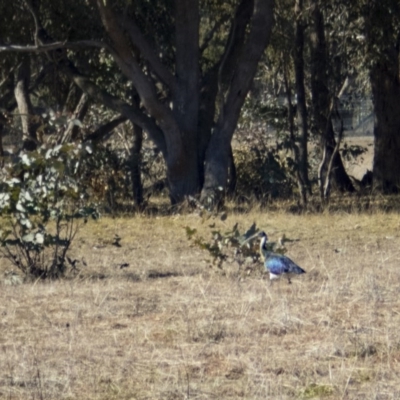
(279, 264)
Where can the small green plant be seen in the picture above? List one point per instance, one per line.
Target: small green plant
(41, 204)
(232, 245)
(313, 390)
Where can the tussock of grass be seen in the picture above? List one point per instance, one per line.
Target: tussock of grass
(314, 390)
(169, 327)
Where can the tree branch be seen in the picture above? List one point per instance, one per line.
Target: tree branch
(144, 86)
(217, 158)
(41, 48)
(334, 108)
(224, 68)
(103, 132)
(88, 87)
(80, 111)
(131, 112)
(147, 52)
(257, 40)
(235, 41)
(21, 92)
(210, 35)
(186, 98)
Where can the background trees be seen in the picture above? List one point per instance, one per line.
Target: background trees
(181, 71)
(381, 23)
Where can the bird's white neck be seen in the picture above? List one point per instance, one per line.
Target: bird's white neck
(263, 244)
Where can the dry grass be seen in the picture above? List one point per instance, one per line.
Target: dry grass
(168, 327)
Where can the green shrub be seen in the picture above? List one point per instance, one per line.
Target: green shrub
(260, 172)
(233, 247)
(41, 204)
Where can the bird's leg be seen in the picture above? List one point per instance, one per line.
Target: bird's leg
(289, 281)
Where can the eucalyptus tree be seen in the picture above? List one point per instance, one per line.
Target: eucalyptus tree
(30, 81)
(14, 74)
(382, 39)
(370, 49)
(191, 79)
(324, 93)
(302, 112)
(289, 49)
(301, 67)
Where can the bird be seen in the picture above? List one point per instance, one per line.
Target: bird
(277, 264)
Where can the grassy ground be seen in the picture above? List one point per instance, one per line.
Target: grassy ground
(171, 327)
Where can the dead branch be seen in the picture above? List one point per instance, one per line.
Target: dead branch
(325, 186)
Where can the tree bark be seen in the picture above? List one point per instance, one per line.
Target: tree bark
(21, 91)
(383, 47)
(386, 93)
(2, 122)
(147, 52)
(134, 165)
(105, 131)
(7, 105)
(217, 79)
(295, 149)
(321, 103)
(232, 175)
(181, 160)
(217, 155)
(186, 99)
(302, 116)
(71, 132)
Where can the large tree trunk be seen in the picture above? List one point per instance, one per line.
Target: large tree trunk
(170, 95)
(383, 46)
(216, 83)
(208, 95)
(184, 166)
(386, 94)
(321, 103)
(177, 124)
(182, 174)
(218, 152)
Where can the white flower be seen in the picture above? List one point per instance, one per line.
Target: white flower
(25, 159)
(20, 207)
(39, 238)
